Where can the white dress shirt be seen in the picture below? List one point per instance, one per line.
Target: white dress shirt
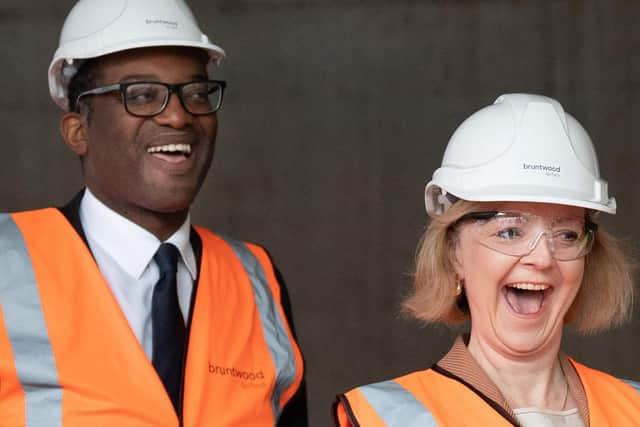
(124, 253)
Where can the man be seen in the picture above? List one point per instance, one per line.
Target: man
(115, 310)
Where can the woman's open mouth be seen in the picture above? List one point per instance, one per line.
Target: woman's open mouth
(526, 298)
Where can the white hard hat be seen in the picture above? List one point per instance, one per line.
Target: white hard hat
(99, 27)
(523, 148)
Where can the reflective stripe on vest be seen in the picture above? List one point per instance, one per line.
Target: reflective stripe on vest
(396, 406)
(610, 401)
(27, 330)
(273, 327)
(634, 384)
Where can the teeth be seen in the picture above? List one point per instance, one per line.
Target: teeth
(529, 286)
(171, 148)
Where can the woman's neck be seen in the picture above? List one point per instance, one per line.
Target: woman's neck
(532, 380)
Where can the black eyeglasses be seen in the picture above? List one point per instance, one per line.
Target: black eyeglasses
(147, 99)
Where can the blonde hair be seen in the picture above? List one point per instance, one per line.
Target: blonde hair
(605, 298)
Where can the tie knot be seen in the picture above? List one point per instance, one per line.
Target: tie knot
(167, 258)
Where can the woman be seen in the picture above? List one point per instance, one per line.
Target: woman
(514, 247)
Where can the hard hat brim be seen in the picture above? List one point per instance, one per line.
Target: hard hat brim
(215, 53)
(530, 194)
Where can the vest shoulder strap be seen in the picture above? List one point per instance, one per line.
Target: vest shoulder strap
(285, 357)
(634, 384)
(611, 401)
(26, 327)
(393, 404)
(421, 398)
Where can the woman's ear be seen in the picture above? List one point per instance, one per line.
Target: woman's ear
(455, 256)
(73, 127)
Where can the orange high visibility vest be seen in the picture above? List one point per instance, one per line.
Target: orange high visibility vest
(428, 398)
(68, 356)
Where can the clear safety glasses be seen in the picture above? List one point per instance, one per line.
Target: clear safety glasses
(518, 233)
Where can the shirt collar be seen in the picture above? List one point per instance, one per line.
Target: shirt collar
(181, 240)
(131, 246)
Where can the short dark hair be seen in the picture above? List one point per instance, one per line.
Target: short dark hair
(82, 81)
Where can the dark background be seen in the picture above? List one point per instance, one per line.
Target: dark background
(337, 114)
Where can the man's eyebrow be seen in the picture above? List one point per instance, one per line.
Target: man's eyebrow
(199, 76)
(154, 78)
(131, 77)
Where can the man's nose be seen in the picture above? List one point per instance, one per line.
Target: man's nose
(174, 114)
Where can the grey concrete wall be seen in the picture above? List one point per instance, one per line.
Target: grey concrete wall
(337, 114)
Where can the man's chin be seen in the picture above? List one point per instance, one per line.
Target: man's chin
(171, 207)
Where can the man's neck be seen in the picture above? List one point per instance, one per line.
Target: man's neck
(160, 224)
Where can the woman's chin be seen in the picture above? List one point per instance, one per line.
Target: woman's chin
(527, 343)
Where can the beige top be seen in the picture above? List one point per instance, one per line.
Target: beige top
(459, 362)
(534, 417)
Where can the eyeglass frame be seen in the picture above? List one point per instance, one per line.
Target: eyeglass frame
(590, 227)
(171, 88)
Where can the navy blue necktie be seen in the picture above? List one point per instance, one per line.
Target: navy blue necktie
(168, 324)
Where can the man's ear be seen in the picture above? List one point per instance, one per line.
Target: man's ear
(74, 130)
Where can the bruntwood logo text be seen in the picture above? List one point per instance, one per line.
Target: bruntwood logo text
(243, 375)
(550, 170)
(165, 22)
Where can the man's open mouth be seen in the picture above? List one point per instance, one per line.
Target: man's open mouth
(171, 150)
